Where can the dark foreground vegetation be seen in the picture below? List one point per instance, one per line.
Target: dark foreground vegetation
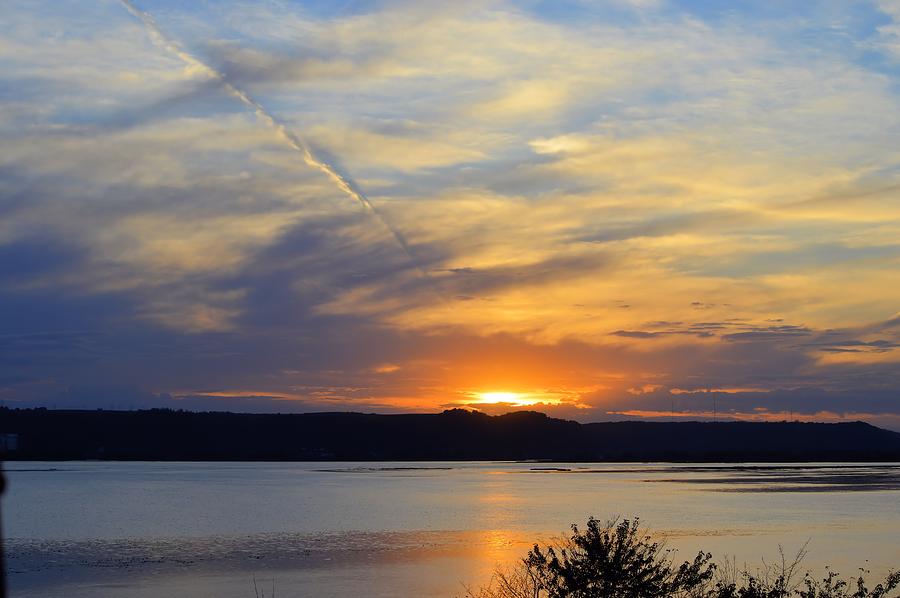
(619, 560)
(162, 434)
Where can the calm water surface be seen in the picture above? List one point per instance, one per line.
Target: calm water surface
(89, 529)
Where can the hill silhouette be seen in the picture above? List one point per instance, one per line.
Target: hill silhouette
(161, 434)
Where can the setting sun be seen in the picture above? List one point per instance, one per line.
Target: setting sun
(514, 399)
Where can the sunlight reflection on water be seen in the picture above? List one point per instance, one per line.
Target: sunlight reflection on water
(326, 529)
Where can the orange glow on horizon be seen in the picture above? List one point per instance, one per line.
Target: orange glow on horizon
(515, 399)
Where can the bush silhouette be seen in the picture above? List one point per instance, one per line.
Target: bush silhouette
(620, 560)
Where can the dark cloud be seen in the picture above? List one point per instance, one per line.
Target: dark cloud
(768, 333)
(673, 225)
(187, 99)
(891, 323)
(485, 280)
(242, 65)
(637, 334)
(810, 256)
(855, 346)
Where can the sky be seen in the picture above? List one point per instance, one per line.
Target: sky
(599, 210)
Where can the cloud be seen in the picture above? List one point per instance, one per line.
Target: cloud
(526, 98)
(768, 333)
(599, 200)
(889, 33)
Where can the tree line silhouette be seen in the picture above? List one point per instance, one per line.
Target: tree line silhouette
(162, 434)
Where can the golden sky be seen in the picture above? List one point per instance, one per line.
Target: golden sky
(600, 210)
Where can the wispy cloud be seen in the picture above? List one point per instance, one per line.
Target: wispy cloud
(605, 199)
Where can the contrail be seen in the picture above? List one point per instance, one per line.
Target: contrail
(344, 183)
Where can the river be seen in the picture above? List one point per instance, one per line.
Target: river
(141, 530)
